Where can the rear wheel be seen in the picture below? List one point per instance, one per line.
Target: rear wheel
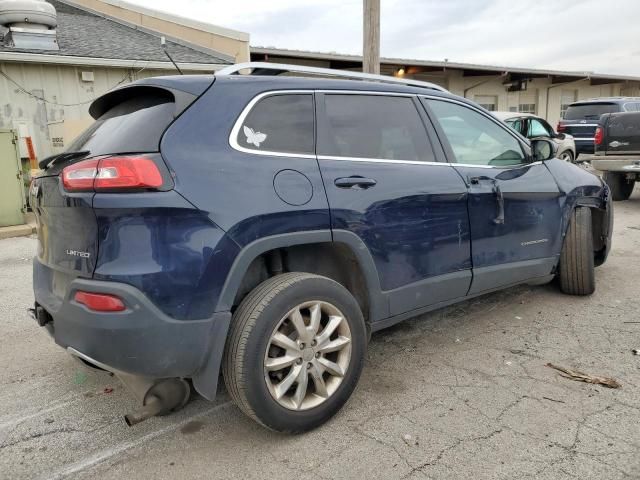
(621, 186)
(577, 274)
(295, 351)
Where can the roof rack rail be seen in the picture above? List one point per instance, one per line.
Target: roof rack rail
(265, 68)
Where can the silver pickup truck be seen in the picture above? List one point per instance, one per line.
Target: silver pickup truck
(617, 152)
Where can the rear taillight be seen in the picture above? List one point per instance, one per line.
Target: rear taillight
(99, 302)
(597, 138)
(560, 128)
(112, 173)
(80, 176)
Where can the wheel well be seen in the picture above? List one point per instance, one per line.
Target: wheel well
(332, 260)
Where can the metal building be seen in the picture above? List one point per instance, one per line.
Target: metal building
(543, 92)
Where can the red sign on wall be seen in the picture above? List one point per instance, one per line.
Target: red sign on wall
(32, 152)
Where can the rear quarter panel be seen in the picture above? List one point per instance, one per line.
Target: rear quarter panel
(236, 189)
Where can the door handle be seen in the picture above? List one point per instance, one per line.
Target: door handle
(354, 181)
(499, 219)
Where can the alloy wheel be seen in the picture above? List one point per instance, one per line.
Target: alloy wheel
(307, 355)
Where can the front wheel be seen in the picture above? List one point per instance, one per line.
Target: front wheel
(577, 274)
(567, 156)
(621, 186)
(295, 351)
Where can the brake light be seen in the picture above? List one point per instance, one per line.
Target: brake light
(127, 172)
(598, 137)
(560, 128)
(100, 302)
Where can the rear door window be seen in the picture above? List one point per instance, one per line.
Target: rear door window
(135, 124)
(590, 111)
(374, 126)
(538, 129)
(279, 123)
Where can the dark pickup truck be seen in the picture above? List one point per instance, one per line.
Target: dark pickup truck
(617, 150)
(581, 118)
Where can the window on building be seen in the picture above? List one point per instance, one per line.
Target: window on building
(488, 102)
(374, 126)
(527, 108)
(567, 97)
(280, 123)
(475, 139)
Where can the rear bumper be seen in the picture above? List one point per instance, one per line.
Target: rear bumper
(140, 340)
(584, 146)
(617, 163)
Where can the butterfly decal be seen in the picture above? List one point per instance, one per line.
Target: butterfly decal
(255, 138)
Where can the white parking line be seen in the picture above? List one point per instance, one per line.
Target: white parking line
(103, 455)
(17, 421)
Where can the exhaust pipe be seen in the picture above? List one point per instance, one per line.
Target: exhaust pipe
(151, 409)
(160, 398)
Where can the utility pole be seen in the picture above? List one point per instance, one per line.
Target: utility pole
(371, 37)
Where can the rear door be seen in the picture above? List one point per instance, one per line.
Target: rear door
(385, 184)
(514, 206)
(622, 134)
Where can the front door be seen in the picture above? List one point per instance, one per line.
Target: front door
(385, 185)
(514, 204)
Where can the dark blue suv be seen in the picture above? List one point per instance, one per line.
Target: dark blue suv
(262, 227)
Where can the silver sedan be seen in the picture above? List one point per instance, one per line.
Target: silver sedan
(532, 126)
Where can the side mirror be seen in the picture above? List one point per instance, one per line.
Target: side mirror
(542, 149)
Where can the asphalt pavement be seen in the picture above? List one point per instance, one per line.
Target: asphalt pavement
(459, 393)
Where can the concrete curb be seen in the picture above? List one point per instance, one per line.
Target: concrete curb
(17, 231)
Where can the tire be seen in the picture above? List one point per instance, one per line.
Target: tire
(621, 187)
(577, 274)
(252, 348)
(567, 156)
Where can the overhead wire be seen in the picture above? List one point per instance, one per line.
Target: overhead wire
(128, 75)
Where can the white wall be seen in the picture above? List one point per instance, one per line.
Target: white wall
(54, 123)
(537, 92)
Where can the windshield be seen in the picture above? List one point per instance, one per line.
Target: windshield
(590, 111)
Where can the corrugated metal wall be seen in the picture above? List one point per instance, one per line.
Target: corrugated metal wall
(50, 102)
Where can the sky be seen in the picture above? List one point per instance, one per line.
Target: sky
(579, 35)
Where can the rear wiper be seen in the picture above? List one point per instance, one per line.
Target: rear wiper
(51, 160)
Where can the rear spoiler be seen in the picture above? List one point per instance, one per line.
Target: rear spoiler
(182, 90)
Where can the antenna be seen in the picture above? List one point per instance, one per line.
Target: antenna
(163, 42)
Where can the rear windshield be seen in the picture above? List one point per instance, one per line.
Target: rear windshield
(133, 125)
(590, 111)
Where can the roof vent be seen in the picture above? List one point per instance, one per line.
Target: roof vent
(31, 24)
